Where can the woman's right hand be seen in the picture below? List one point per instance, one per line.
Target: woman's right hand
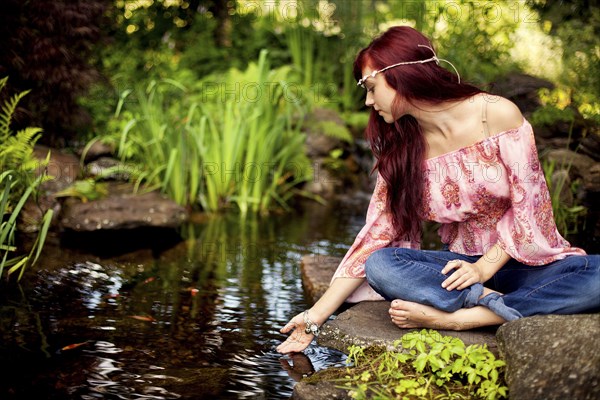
(298, 339)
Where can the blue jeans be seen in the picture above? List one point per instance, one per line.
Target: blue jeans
(567, 286)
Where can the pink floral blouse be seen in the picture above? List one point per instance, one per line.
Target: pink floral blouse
(493, 191)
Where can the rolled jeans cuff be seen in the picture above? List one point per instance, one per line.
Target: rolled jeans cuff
(475, 292)
(495, 303)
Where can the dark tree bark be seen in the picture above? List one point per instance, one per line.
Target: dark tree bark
(45, 46)
(222, 10)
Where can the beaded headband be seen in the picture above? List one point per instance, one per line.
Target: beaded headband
(435, 58)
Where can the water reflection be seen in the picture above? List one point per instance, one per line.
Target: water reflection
(198, 320)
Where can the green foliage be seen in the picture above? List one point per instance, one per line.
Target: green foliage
(556, 107)
(575, 24)
(85, 190)
(258, 137)
(16, 149)
(17, 184)
(567, 217)
(334, 130)
(213, 148)
(425, 365)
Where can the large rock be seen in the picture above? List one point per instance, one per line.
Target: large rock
(522, 89)
(368, 324)
(324, 131)
(123, 211)
(62, 170)
(552, 357)
(316, 271)
(578, 164)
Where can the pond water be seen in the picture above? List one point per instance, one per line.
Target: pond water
(132, 316)
(123, 316)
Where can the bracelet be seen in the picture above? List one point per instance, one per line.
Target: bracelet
(310, 327)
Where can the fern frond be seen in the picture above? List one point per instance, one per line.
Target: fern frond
(17, 150)
(335, 130)
(3, 82)
(8, 108)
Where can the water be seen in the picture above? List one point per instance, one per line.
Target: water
(197, 319)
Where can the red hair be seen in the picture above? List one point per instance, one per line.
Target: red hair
(400, 148)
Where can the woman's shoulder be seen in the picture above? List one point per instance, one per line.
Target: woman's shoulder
(502, 114)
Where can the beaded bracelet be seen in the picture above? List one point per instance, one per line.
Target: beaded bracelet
(310, 327)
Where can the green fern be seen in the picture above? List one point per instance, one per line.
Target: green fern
(335, 130)
(17, 150)
(8, 109)
(17, 184)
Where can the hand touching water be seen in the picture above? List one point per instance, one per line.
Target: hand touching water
(298, 339)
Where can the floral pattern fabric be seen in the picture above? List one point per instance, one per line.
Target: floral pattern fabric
(492, 192)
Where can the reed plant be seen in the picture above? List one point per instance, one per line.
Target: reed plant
(302, 44)
(215, 150)
(267, 150)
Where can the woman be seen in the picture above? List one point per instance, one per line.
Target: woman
(448, 152)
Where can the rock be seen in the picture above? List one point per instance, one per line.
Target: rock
(63, 168)
(368, 324)
(365, 323)
(108, 168)
(318, 391)
(96, 150)
(577, 163)
(325, 130)
(316, 271)
(324, 183)
(591, 178)
(552, 357)
(590, 144)
(123, 211)
(522, 89)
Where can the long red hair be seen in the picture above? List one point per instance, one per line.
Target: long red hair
(400, 148)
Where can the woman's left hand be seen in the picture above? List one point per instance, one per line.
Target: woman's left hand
(465, 275)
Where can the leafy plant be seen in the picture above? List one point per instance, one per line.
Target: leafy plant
(216, 149)
(85, 190)
(424, 365)
(257, 137)
(556, 107)
(17, 184)
(335, 130)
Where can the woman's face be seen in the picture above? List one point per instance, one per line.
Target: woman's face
(380, 95)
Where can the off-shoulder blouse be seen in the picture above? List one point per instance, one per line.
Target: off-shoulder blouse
(492, 192)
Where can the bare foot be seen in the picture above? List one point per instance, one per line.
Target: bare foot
(407, 315)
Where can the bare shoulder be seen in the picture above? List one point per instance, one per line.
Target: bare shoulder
(502, 114)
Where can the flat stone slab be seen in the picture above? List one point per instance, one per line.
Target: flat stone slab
(552, 357)
(123, 211)
(317, 271)
(368, 324)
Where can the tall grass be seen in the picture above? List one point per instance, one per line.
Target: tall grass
(216, 150)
